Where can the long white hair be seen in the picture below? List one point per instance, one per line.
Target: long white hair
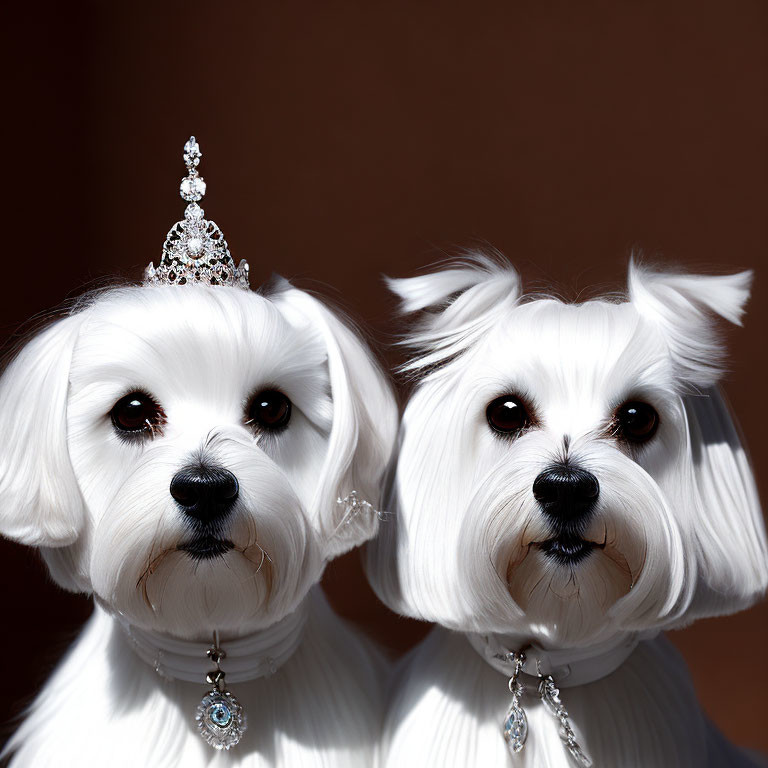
(99, 508)
(679, 524)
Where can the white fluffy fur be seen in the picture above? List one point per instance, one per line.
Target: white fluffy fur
(680, 518)
(100, 510)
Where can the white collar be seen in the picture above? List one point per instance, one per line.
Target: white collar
(568, 666)
(259, 654)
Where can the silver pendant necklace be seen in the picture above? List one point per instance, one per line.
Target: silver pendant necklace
(553, 669)
(220, 717)
(515, 727)
(516, 721)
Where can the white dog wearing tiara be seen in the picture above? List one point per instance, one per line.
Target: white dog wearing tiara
(570, 484)
(192, 454)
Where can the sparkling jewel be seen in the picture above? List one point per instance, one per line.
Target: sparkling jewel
(220, 719)
(192, 153)
(220, 714)
(193, 212)
(516, 722)
(192, 188)
(515, 728)
(194, 246)
(195, 250)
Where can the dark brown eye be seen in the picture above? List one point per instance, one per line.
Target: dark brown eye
(507, 414)
(269, 410)
(636, 421)
(137, 413)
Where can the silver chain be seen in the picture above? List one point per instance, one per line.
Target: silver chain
(516, 721)
(550, 695)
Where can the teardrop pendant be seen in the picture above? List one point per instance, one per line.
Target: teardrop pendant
(515, 727)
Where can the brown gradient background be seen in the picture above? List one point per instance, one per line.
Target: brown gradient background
(343, 140)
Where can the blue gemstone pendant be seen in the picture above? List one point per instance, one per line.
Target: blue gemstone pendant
(220, 719)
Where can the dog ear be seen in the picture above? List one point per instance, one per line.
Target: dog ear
(730, 533)
(683, 307)
(363, 429)
(457, 303)
(40, 501)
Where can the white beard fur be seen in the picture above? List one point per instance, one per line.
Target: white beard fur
(104, 706)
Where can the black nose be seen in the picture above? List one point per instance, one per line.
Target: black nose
(204, 493)
(566, 493)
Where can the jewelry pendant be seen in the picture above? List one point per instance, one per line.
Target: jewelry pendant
(515, 728)
(220, 717)
(516, 721)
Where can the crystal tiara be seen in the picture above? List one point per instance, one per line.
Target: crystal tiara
(195, 250)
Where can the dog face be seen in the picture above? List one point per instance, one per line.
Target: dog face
(179, 451)
(569, 470)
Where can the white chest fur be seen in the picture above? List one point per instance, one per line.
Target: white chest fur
(105, 706)
(450, 704)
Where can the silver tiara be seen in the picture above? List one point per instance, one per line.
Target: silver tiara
(195, 250)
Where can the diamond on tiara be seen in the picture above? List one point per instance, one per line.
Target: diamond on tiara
(195, 250)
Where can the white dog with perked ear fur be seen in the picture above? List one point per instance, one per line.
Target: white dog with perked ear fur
(192, 454)
(570, 483)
